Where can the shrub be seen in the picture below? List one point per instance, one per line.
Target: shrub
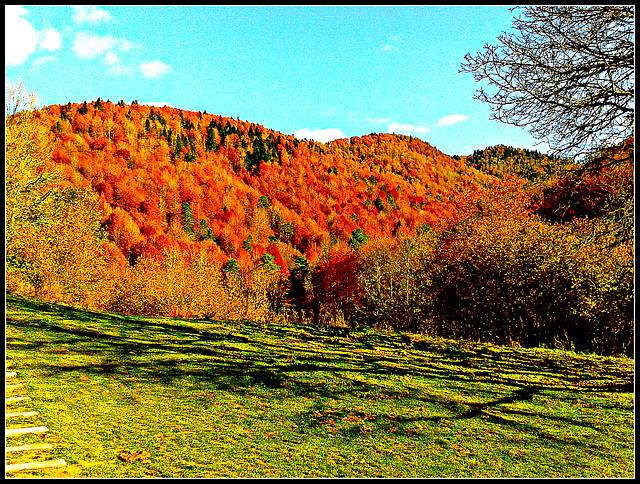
(503, 278)
(336, 292)
(391, 277)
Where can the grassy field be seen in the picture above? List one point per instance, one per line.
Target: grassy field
(165, 397)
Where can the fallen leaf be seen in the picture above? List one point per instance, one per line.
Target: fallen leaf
(131, 456)
(459, 448)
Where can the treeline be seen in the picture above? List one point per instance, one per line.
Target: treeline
(163, 173)
(500, 160)
(168, 212)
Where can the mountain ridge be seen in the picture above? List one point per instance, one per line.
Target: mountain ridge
(171, 177)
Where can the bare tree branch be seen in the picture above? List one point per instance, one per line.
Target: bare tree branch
(567, 74)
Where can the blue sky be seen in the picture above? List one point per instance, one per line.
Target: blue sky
(317, 72)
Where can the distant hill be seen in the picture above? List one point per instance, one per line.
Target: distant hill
(168, 177)
(161, 211)
(500, 159)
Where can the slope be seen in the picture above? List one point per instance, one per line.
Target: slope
(167, 177)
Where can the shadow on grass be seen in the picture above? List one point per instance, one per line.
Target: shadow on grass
(233, 358)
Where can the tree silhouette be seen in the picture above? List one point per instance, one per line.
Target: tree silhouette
(567, 74)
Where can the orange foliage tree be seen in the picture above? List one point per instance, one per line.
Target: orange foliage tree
(199, 215)
(502, 274)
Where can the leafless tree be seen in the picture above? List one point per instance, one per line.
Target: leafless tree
(567, 74)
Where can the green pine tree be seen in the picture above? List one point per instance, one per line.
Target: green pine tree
(358, 239)
(188, 219)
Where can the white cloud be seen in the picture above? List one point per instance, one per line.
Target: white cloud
(407, 129)
(21, 38)
(321, 135)
(153, 69)
(111, 59)
(452, 119)
(90, 14)
(391, 47)
(52, 40)
(401, 128)
(41, 61)
(89, 46)
(120, 69)
(379, 120)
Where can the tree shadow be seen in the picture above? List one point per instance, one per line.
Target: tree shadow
(280, 358)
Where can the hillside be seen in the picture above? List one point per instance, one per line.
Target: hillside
(169, 177)
(165, 212)
(223, 399)
(499, 160)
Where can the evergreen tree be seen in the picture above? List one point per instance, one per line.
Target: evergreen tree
(358, 239)
(210, 141)
(379, 204)
(247, 243)
(300, 280)
(231, 266)
(263, 202)
(205, 232)
(268, 260)
(188, 219)
(178, 146)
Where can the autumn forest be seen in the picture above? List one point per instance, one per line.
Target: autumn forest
(162, 211)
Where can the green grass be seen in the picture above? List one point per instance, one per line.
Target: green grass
(194, 399)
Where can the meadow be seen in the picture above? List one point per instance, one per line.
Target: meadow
(132, 396)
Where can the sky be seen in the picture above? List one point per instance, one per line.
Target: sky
(321, 72)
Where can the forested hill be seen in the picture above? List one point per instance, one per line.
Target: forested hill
(169, 177)
(160, 211)
(499, 160)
